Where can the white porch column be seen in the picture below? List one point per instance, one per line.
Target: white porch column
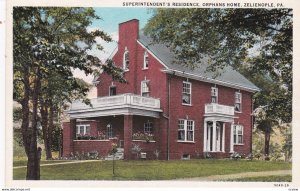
(223, 138)
(214, 136)
(205, 137)
(231, 139)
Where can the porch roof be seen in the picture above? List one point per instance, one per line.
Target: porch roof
(124, 104)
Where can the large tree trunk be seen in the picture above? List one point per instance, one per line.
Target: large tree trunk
(50, 130)
(25, 110)
(33, 168)
(267, 141)
(45, 128)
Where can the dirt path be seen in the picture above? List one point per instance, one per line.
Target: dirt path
(59, 163)
(238, 175)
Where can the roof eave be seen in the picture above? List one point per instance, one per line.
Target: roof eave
(209, 80)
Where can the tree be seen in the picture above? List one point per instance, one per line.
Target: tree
(49, 43)
(253, 41)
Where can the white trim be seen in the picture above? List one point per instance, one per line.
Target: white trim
(223, 138)
(85, 126)
(189, 93)
(231, 139)
(104, 140)
(147, 82)
(205, 137)
(214, 93)
(126, 68)
(179, 141)
(239, 102)
(144, 141)
(111, 86)
(214, 140)
(237, 135)
(144, 63)
(159, 60)
(185, 129)
(209, 80)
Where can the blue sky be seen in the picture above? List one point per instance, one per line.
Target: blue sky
(111, 17)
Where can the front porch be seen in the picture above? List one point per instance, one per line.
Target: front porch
(124, 120)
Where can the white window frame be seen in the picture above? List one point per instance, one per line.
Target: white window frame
(183, 125)
(186, 91)
(125, 60)
(238, 131)
(238, 101)
(146, 60)
(109, 130)
(214, 94)
(145, 89)
(109, 90)
(148, 127)
(84, 127)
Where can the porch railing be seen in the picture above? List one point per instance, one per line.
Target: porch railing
(118, 100)
(214, 108)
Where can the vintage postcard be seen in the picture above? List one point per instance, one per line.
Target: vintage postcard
(144, 94)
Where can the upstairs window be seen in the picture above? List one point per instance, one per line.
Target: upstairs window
(186, 93)
(148, 127)
(214, 95)
(146, 61)
(145, 90)
(126, 60)
(238, 131)
(238, 102)
(112, 90)
(186, 130)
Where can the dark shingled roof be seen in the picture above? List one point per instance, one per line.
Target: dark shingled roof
(227, 76)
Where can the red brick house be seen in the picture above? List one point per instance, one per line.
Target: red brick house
(164, 107)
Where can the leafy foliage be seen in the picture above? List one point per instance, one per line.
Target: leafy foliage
(49, 43)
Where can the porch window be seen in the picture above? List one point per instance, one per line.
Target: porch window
(126, 60)
(185, 130)
(238, 102)
(83, 130)
(148, 127)
(238, 134)
(145, 90)
(109, 131)
(186, 93)
(214, 95)
(112, 90)
(146, 61)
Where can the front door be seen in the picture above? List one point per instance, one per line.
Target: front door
(214, 138)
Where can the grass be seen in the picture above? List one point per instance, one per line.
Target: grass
(151, 170)
(283, 178)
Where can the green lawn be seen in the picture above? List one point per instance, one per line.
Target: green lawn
(150, 170)
(284, 178)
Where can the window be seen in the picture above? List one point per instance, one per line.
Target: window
(238, 101)
(146, 61)
(185, 130)
(112, 90)
(214, 95)
(186, 93)
(126, 60)
(148, 127)
(83, 130)
(109, 131)
(145, 90)
(238, 134)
